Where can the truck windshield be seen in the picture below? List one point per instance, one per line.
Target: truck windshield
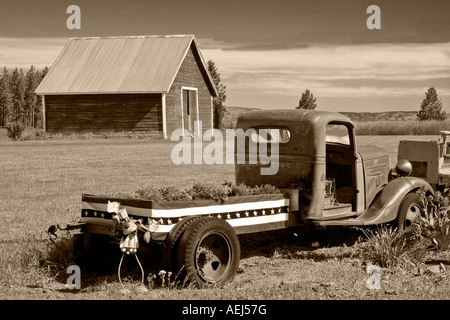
(337, 133)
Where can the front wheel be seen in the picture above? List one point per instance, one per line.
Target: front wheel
(210, 251)
(410, 210)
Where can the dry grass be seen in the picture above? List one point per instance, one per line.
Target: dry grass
(398, 128)
(42, 183)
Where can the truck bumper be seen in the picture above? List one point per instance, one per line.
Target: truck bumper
(76, 228)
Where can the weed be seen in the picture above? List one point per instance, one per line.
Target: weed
(14, 130)
(389, 247)
(435, 224)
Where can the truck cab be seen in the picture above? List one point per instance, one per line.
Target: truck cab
(331, 179)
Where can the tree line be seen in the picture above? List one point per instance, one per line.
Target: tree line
(18, 102)
(20, 105)
(431, 107)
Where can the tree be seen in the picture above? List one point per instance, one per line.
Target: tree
(38, 111)
(43, 73)
(307, 101)
(5, 98)
(431, 107)
(17, 89)
(30, 98)
(219, 106)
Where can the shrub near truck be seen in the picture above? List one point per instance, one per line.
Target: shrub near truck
(324, 179)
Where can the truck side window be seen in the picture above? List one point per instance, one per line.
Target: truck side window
(280, 135)
(337, 133)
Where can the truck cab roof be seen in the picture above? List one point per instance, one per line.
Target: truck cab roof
(292, 118)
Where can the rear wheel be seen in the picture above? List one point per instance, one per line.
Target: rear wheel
(172, 243)
(210, 251)
(410, 210)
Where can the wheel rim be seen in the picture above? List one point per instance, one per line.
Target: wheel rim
(413, 212)
(213, 257)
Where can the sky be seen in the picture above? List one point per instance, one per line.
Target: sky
(269, 51)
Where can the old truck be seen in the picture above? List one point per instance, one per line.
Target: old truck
(325, 179)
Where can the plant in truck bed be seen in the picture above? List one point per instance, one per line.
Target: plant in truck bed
(198, 191)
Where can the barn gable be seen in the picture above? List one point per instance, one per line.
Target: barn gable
(125, 84)
(200, 98)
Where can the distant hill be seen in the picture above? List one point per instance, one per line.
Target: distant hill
(382, 116)
(233, 114)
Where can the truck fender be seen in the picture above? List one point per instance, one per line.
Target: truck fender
(384, 207)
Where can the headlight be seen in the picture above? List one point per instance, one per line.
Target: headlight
(403, 168)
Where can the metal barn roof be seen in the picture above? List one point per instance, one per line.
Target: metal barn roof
(138, 64)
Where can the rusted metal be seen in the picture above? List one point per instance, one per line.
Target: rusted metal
(302, 161)
(311, 159)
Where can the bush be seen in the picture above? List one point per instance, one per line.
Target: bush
(199, 191)
(435, 225)
(14, 130)
(388, 247)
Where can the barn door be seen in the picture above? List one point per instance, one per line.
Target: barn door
(189, 104)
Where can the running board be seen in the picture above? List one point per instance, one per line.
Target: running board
(342, 222)
(337, 215)
(337, 211)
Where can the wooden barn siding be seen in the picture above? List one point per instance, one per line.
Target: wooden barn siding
(104, 112)
(189, 75)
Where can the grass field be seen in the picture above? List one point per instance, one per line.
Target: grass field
(41, 183)
(410, 127)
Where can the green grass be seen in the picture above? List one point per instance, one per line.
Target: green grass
(41, 184)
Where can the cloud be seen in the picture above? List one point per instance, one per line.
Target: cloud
(370, 70)
(24, 52)
(258, 75)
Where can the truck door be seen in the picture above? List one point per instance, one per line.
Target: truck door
(340, 184)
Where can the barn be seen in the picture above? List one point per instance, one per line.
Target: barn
(133, 84)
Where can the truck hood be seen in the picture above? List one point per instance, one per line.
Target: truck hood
(372, 152)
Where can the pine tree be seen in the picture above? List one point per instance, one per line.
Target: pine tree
(17, 90)
(219, 107)
(38, 120)
(431, 107)
(43, 73)
(30, 98)
(5, 98)
(307, 101)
